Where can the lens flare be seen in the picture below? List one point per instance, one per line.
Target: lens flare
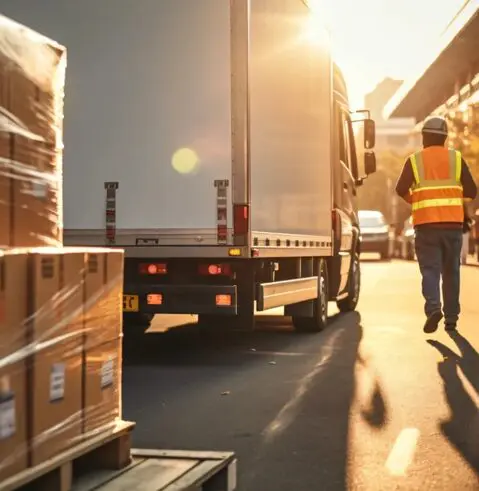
(185, 160)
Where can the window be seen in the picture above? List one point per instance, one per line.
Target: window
(347, 146)
(371, 221)
(347, 139)
(343, 143)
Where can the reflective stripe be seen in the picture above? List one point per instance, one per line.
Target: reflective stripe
(458, 162)
(455, 170)
(429, 188)
(439, 182)
(437, 203)
(413, 160)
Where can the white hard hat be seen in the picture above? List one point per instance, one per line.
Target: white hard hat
(436, 125)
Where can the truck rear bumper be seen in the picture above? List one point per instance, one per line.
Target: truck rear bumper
(181, 299)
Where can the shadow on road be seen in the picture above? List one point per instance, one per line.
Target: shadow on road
(289, 423)
(192, 345)
(375, 412)
(460, 375)
(306, 445)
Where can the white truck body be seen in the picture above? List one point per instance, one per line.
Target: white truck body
(166, 97)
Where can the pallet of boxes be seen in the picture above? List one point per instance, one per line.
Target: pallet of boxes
(61, 313)
(60, 308)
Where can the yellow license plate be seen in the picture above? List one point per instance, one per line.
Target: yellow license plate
(131, 303)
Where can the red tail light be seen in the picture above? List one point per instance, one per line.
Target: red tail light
(223, 300)
(153, 268)
(240, 219)
(154, 299)
(215, 269)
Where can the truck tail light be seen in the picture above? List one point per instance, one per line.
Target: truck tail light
(153, 268)
(240, 219)
(215, 269)
(154, 299)
(223, 300)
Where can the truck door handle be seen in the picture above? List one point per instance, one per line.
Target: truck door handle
(345, 186)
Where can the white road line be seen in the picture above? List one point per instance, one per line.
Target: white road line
(402, 453)
(288, 412)
(469, 388)
(277, 353)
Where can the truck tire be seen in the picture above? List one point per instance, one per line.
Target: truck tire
(320, 309)
(350, 303)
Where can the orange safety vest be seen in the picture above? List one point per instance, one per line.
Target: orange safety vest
(437, 194)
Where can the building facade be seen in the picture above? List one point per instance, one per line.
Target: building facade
(397, 135)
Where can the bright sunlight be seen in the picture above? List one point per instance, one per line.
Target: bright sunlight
(373, 39)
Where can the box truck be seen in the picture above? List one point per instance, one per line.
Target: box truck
(212, 140)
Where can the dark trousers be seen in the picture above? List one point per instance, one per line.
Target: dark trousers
(439, 255)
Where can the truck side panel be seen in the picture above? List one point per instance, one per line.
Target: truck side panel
(148, 105)
(291, 114)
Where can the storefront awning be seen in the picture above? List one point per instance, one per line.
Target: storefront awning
(455, 63)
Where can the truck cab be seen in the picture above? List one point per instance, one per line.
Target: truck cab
(349, 173)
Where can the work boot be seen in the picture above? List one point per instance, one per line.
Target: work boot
(432, 322)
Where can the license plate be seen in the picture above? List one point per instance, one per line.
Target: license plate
(131, 303)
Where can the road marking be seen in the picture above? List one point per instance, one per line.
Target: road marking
(468, 388)
(288, 412)
(402, 453)
(277, 353)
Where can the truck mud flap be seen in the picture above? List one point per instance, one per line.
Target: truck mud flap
(277, 294)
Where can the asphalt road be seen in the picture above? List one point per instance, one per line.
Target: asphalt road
(371, 403)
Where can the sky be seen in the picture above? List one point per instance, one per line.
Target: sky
(373, 39)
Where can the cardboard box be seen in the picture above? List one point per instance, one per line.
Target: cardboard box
(30, 192)
(31, 119)
(34, 80)
(5, 191)
(103, 296)
(13, 339)
(103, 371)
(36, 195)
(13, 420)
(56, 302)
(70, 385)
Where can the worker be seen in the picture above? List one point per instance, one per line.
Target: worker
(436, 181)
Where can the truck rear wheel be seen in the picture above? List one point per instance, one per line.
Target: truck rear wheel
(320, 308)
(350, 303)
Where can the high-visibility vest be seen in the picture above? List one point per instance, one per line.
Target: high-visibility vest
(437, 194)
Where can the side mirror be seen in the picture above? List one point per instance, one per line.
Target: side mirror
(369, 134)
(369, 163)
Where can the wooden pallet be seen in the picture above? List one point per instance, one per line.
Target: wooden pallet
(167, 470)
(110, 449)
